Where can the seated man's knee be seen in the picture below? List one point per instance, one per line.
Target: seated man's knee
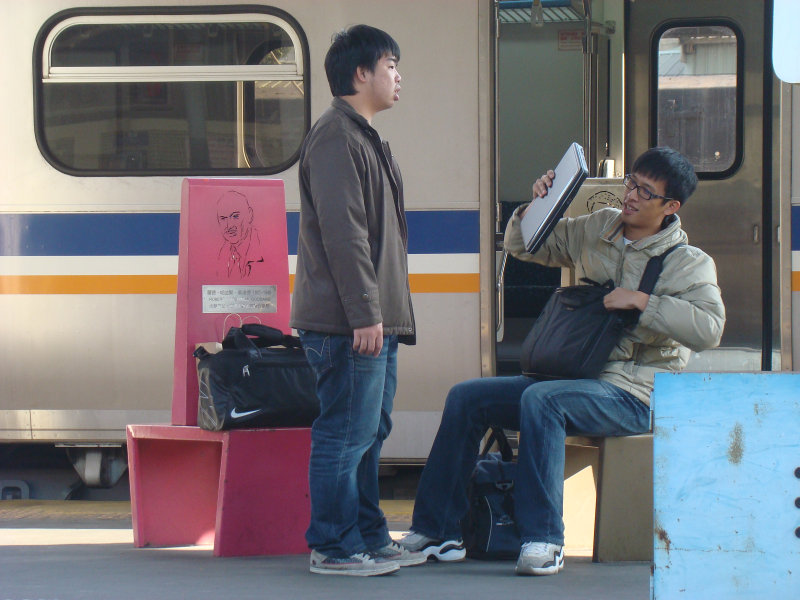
(536, 400)
(461, 398)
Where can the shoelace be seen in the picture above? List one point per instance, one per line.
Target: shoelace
(390, 547)
(362, 556)
(534, 547)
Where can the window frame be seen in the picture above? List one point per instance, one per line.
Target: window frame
(740, 75)
(45, 74)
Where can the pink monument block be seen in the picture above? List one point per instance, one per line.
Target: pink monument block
(233, 267)
(245, 491)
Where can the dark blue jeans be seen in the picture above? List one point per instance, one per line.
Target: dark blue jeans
(356, 393)
(544, 412)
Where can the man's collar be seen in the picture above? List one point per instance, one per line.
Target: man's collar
(614, 231)
(351, 112)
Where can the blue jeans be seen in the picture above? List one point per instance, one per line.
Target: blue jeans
(356, 393)
(544, 412)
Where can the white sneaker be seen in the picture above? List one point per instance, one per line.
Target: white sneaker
(401, 555)
(360, 565)
(540, 558)
(443, 550)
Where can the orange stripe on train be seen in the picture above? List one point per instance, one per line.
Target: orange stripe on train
(796, 281)
(421, 283)
(88, 284)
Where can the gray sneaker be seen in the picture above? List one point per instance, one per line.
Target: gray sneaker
(443, 550)
(359, 565)
(540, 558)
(402, 556)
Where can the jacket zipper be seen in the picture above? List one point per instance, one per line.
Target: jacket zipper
(623, 257)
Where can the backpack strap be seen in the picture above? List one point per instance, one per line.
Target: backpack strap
(498, 435)
(653, 270)
(264, 335)
(236, 339)
(269, 336)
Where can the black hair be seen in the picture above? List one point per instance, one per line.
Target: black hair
(356, 46)
(671, 167)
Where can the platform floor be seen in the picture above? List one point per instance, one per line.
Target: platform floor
(83, 550)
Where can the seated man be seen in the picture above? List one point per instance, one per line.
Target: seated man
(684, 312)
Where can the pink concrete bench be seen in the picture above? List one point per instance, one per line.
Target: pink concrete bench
(245, 491)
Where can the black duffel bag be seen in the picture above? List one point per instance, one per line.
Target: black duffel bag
(259, 381)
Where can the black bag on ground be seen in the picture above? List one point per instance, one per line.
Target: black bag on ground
(489, 530)
(259, 381)
(575, 334)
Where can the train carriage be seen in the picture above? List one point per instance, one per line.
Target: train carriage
(111, 105)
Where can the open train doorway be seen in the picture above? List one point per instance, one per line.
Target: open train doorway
(551, 91)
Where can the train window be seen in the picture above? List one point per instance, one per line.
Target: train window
(697, 95)
(123, 94)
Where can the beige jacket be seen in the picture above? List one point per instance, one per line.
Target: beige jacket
(684, 312)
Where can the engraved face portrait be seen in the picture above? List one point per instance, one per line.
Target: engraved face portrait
(241, 246)
(235, 216)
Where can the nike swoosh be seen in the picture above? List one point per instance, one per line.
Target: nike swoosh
(238, 415)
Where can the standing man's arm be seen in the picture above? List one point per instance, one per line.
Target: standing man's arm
(368, 340)
(336, 175)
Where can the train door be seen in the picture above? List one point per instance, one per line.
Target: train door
(696, 81)
(552, 90)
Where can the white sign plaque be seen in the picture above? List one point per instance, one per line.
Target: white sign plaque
(239, 299)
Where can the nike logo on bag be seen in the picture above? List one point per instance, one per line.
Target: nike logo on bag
(238, 415)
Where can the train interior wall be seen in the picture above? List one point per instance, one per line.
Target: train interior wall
(540, 112)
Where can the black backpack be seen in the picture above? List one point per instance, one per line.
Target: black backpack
(489, 529)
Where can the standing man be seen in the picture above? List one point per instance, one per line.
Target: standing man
(352, 303)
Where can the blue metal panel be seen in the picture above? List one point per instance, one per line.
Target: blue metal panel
(726, 447)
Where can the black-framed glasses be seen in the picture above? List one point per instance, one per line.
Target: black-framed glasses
(642, 192)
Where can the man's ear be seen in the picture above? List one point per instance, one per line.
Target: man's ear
(671, 207)
(361, 74)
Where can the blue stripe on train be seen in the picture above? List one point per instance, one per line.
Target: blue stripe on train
(429, 231)
(95, 234)
(156, 234)
(796, 227)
